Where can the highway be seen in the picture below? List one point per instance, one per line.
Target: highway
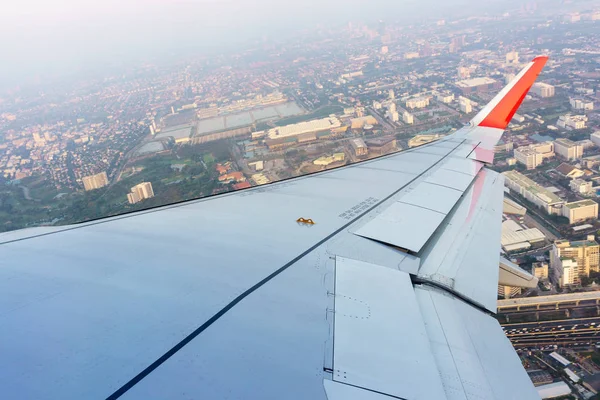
(577, 332)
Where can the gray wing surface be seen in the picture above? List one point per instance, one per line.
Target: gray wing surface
(387, 295)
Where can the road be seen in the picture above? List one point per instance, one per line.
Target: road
(579, 332)
(533, 223)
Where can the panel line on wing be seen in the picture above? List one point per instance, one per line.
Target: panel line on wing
(162, 359)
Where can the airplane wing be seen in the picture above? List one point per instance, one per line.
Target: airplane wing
(388, 294)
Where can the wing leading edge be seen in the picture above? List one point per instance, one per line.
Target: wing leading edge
(220, 306)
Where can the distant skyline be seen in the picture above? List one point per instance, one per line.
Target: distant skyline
(63, 37)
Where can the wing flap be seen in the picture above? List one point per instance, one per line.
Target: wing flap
(474, 357)
(380, 343)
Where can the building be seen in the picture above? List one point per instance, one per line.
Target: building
(572, 17)
(541, 89)
(313, 126)
(533, 155)
(361, 122)
(377, 105)
(411, 55)
(534, 193)
(568, 149)
(553, 390)
(540, 270)
(575, 260)
(420, 140)
(465, 105)
(93, 182)
(580, 104)
(475, 85)
(518, 118)
(394, 116)
(569, 171)
(464, 72)
(503, 146)
(572, 121)
(326, 160)
(359, 147)
(391, 107)
(391, 94)
(445, 97)
(506, 292)
(595, 138)
(381, 145)
(236, 176)
(140, 192)
(417, 102)
(516, 238)
(581, 187)
(580, 211)
(408, 118)
(512, 57)
(512, 208)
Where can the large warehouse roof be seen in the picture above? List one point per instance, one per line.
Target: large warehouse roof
(529, 185)
(304, 127)
(553, 390)
(475, 82)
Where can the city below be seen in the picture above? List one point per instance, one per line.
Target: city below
(205, 126)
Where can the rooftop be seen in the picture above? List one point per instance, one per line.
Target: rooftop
(581, 203)
(475, 82)
(565, 142)
(541, 192)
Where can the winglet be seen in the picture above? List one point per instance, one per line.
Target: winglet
(499, 112)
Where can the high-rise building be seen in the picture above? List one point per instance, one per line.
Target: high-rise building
(464, 73)
(140, 192)
(418, 102)
(394, 116)
(568, 149)
(465, 105)
(392, 96)
(392, 108)
(456, 43)
(542, 89)
(445, 97)
(359, 147)
(540, 270)
(595, 138)
(93, 182)
(512, 57)
(581, 104)
(506, 292)
(575, 259)
(408, 118)
(572, 121)
(581, 210)
(384, 50)
(581, 187)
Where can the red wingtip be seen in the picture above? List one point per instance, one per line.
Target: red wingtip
(502, 113)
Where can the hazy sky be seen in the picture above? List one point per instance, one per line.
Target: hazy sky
(62, 36)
